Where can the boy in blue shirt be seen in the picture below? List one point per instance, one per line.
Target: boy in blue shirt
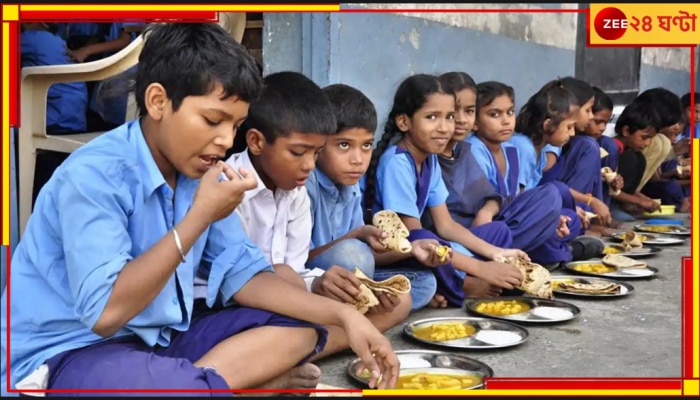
(690, 110)
(102, 280)
(340, 240)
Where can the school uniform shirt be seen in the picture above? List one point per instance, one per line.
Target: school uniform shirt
(469, 188)
(508, 185)
(107, 204)
(278, 222)
(631, 168)
(66, 103)
(531, 164)
(400, 187)
(335, 209)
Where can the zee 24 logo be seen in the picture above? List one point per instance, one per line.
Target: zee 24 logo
(611, 23)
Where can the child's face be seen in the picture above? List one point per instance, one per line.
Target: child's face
(465, 114)
(346, 155)
(195, 136)
(288, 161)
(495, 121)
(565, 131)
(431, 126)
(597, 125)
(585, 115)
(639, 140)
(689, 111)
(672, 131)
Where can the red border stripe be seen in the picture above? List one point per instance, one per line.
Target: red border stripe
(14, 69)
(189, 16)
(583, 384)
(687, 316)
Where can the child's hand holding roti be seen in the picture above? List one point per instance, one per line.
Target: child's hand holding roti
(499, 274)
(373, 236)
(216, 199)
(617, 183)
(387, 302)
(338, 284)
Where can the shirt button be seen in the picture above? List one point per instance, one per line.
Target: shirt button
(278, 255)
(175, 301)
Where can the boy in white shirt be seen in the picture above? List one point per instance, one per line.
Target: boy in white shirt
(286, 128)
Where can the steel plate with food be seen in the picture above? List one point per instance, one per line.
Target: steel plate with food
(628, 251)
(648, 239)
(571, 285)
(466, 333)
(523, 309)
(599, 268)
(430, 370)
(675, 230)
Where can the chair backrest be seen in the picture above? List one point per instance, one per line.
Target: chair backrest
(234, 22)
(35, 82)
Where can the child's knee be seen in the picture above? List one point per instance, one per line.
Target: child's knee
(423, 288)
(286, 272)
(354, 253)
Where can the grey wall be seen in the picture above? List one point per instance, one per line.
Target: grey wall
(375, 51)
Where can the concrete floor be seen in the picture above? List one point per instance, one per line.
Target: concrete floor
(634, 336)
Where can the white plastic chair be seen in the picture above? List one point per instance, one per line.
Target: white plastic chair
(32, 136)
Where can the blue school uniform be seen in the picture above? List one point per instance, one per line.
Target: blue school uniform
(508, 185)
(532, 216)
(109, 98)
(66, 103)
(531, 165)
(401, 187)
(104, 206)
(580, 166)
(669, 191)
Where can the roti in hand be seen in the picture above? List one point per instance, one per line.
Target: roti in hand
(397, 284)
(397, 232)
(537, 280)
(618, 261)
(365, 300)
(608, 174)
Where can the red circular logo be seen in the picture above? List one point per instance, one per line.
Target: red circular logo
(610, 23)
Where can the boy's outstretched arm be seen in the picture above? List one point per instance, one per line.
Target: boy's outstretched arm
(267, 291)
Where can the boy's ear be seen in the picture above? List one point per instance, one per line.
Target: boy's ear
(403, 122)
(625, 131)
(156, 99)
(255, 141)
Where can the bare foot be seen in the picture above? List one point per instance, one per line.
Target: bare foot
(303, 377)
(475, 287)
(438, 301)
(685, 206)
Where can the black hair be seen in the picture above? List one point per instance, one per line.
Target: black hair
(582, 90)
(602, 100)
(455, 82)
(685, 100)
(410, 96)
(486, 93)
(667, 105)
(352, 109)
(552, 102)
(637, 116)
(289, 102)
(191, 59)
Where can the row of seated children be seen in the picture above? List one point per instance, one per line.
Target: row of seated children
(103, 280)
(307, 175)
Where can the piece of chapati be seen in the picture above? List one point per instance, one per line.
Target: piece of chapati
(397, 284)
(537, 280)
(618, 261)
(590, 288)
(397, 232)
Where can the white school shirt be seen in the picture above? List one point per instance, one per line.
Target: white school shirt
(278, 222)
